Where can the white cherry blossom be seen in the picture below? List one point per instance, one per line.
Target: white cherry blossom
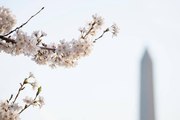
(7, 20)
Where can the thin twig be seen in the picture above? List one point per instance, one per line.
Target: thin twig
(24, 23)
(92, 26)
(101, 35)
(21, 88)
(10, 98)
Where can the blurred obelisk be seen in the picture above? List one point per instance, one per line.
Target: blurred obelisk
(146, 88)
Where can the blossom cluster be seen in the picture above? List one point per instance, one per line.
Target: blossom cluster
(64, 53)
(11, 110)
(7, 20)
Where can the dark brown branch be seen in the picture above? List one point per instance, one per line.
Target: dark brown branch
(7, 39)
(14, 42)
(24, 23)
(47, 48)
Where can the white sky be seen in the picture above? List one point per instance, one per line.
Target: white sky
(105, 85)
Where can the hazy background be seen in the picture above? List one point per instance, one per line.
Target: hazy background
(105, 85)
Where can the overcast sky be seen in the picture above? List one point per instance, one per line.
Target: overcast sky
(104, 85)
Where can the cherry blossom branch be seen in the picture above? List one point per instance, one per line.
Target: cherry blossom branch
(24, 23)
(12, 110)
(32, 102)
(7, 39)
(61, 54)
(53, 49)
(22, 87)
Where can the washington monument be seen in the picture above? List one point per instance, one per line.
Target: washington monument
(146, 88)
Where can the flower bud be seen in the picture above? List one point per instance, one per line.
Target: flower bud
(39, 90)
